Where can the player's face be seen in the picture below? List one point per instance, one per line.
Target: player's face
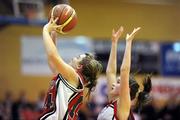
(115, 89)
(76, 60)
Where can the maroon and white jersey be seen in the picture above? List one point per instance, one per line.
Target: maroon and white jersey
(62, 100)
(110, 112)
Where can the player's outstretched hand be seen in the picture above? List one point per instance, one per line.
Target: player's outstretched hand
(52, 26)
(131, 36)
(117, 34)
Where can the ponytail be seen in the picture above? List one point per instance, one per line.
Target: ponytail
(143, 96)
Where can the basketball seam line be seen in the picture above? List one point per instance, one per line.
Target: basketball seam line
(61, 15)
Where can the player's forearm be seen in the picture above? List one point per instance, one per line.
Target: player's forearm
(54, 37)
(126, 63)
(50, 47)
(50, 63)
(112, 63)
(125, 71)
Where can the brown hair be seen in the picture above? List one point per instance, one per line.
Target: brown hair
(143, 96)
(134, 87)
(91, 69)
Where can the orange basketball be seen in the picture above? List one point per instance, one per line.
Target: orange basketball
(67, 17)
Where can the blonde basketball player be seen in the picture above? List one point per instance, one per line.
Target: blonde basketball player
(123, 92)
(65, 94)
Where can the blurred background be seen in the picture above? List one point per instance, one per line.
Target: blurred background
(24, 73)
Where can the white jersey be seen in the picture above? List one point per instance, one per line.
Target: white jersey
(62, 101)
(107, 113)
(110, 112)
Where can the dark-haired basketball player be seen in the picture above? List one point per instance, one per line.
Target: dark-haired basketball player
(124, 92)
(65, 94)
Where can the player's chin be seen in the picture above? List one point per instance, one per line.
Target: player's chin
(114, 94)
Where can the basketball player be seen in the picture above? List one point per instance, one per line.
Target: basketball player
(125, 92)
(65, 95)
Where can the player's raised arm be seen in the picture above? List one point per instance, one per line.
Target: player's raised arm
(124, 102)
(53, 56)
(112, 63)
(51, 65)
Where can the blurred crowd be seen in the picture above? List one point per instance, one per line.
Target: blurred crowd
(22, 109)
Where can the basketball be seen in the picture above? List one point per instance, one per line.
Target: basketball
(66, 15)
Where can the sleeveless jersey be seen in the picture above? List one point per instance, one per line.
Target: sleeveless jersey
(110, 112)
(62, 101)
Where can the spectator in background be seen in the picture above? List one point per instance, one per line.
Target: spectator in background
(18, 105)
(148, 110)
(7, 106)
(171, 111)
(40, 101)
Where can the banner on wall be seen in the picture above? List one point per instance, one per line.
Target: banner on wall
(34, 59)
(166, 88)
(170, 59)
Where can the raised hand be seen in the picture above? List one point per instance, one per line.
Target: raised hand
(117, 34)
(131, 36)
(52, 26)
